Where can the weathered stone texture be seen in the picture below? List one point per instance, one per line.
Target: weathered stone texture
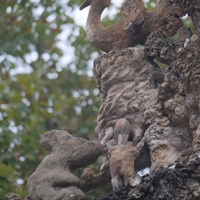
(127, 85)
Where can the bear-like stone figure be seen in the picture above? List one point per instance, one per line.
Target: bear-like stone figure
(54, 178)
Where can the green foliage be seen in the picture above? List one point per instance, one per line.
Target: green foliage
(38, 91)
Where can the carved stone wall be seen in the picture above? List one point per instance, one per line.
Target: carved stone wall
(130, 89)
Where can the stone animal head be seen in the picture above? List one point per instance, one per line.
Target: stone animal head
(51, 139)
(121, 131)
(102, 3)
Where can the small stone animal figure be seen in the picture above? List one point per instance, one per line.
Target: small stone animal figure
(119, 36)
(53, 179)
(121, 159)
(122, 155)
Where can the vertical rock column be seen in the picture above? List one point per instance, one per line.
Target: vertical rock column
(128, 90)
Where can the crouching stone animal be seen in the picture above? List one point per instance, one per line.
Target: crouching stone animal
(54, 178)
(121, 159)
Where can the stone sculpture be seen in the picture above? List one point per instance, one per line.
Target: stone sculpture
(54, 178)
(134, 26)
(129, 90)
(118, 36)
(121, 161)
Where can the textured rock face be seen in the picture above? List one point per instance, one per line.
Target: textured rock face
(132, 89)
(54, 178)
(163, 117)
(182, 84)
(179, 183)
(172, 135)
(128, 87)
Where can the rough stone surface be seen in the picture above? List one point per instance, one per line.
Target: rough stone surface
(180, 183)
(128, 85)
